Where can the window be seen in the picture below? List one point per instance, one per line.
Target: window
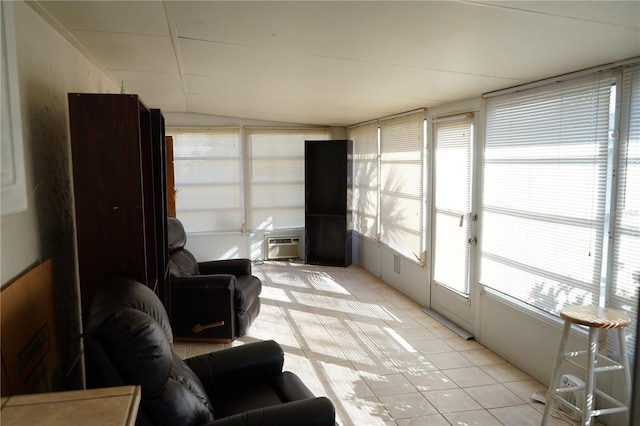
(545, 164)
(560, 202)
(389, 176)
(208, 179)
(366, 179)
(12, 177)
(225, 185)
(402, 184)
(276, 177)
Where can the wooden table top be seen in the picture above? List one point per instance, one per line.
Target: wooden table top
(117, 406)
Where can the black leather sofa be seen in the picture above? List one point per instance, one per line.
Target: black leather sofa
(213, 301)
(129, 342)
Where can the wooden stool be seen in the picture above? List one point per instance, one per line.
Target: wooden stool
(595, 318)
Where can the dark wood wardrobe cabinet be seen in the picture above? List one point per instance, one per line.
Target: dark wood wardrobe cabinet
(117, 146)
(328, 188)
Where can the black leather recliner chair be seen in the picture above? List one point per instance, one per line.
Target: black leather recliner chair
(129, 342)
(213, 301)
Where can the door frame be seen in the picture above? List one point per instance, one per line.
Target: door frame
(456, 307)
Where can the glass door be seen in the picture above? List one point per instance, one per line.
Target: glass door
(453, 218)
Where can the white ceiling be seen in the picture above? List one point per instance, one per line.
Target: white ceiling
(340, 62)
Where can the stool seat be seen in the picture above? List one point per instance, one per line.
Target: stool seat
(595, 316)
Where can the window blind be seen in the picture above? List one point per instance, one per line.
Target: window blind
(543, 194)
(208, 179)
(365, 181)
(452, 202)
(401, 184)
(625, 275)
(276, 176)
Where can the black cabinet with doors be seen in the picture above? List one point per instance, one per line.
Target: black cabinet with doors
(328, 188)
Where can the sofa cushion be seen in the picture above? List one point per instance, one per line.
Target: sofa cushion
(282, 388)
(183, 400)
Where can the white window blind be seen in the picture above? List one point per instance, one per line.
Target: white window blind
(543, 196)
(276, 176)
(208, 179)
(365, 182)
(452, 202)
(625, 276)
(401, 181)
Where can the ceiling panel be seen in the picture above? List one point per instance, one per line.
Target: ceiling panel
(156, 88)
(340, 62)
(607, 12)
(131, 17)
(130, 52)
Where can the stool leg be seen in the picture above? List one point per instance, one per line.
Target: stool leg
(587, 411)
(555, 377)
(624, 360)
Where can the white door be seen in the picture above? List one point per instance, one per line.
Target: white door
(453, 227)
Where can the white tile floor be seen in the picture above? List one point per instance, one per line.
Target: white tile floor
(378, 357)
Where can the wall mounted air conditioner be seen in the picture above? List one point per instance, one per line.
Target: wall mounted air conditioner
(283, 248)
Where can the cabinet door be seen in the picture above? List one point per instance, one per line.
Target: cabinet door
(328, 240)
(327, 198)
(326, 177)
(109, 199)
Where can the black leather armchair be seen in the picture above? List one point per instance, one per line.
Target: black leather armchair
(129, 342)
(215, 300)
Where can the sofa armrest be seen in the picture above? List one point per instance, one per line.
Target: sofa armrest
(235, 267)
(222, 282)
(307, 412)
(237, 367)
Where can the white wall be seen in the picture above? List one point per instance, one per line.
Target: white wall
(48, 68)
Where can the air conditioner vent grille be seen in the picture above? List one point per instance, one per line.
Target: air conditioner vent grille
(283, 240)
